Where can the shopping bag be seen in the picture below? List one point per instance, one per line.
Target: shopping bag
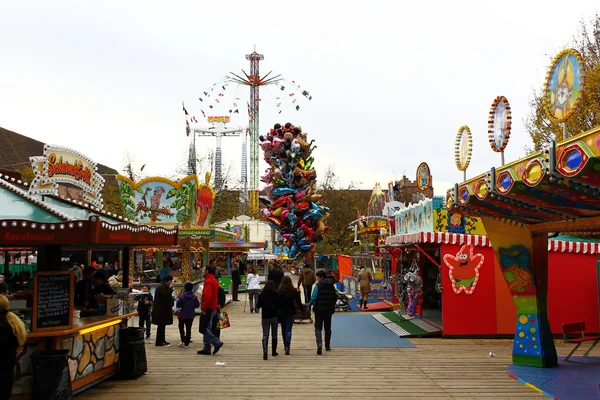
(223, 321)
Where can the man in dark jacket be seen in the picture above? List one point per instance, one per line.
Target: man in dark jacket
(162, 312)
(84, 290)
(145, 301)
(323, 299)
(210, 307)
(275, 275)
(236, 281)
(307, 279)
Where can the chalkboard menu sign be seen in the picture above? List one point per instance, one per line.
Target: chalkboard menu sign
(53, 300)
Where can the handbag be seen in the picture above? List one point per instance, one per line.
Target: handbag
(223, 320)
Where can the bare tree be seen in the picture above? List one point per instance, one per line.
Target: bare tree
(131, 169)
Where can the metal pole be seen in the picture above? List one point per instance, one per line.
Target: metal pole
(464, 175)
(502, 157)
(566, 134)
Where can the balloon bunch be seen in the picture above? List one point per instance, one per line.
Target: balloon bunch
(292, 204)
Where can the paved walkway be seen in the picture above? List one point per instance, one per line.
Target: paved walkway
(434, 369)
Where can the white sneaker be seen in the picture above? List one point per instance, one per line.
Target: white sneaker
(180, 345)
(186, 347)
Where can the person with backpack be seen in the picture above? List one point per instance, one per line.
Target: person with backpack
(323, 299)
(269, 301)
(187, 304)
(290, 299)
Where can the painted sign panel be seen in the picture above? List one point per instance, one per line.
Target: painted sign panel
(159, 200)
(423, 177)
(62, 165)
(415, 218)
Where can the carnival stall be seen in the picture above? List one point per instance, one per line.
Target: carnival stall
(34, 216)
(524, 202)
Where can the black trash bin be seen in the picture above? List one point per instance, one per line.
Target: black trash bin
(51, 378)
(132, 353)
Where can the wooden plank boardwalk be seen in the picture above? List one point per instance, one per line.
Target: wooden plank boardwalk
(435, 369)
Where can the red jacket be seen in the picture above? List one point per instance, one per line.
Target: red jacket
(210, 294)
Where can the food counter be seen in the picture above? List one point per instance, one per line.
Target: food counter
(93, 351)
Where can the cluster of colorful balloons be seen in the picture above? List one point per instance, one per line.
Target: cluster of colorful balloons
(292, 204)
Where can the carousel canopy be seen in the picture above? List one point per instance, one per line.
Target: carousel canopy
(558, 184)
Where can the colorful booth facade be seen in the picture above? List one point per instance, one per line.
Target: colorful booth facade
(521, 203)
(478, 302)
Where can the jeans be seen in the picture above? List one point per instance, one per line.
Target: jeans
(235, 288)
(145, 319)
(208, 336)
(269, 323)
(253, 297)
(320, 320)
(185, 334)
(287, 323)
(160, 334)
(307, 292)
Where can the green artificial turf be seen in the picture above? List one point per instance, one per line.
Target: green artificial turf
(405, 324)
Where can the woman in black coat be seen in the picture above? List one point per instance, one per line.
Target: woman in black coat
(162, 311)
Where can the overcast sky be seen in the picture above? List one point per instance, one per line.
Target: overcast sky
(391, 81)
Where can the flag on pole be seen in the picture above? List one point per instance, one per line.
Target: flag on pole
(184, 110)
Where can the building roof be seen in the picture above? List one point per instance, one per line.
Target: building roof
(15, 150)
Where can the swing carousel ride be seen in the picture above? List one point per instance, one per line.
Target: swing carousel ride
(226, 97)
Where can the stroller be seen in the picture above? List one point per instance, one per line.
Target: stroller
(343, 301)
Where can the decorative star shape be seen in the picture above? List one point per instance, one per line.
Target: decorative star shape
(464, 266)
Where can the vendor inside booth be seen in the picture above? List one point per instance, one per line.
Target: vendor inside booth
(35, 217)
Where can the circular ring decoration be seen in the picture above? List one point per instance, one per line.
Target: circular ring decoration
(564, 85)
(499, 124)
(423, 177)
(463, 147)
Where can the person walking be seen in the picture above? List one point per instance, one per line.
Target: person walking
(323, 298)
(187, 304)
(307, 279)
(276, 275)
(144, 308)
(364, 280)
(236, 281)
(13, 334)
(290, 299)
(269, 301)
(210, 306)
(253, 287)
(162, 311)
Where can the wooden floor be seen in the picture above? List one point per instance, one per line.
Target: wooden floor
(435, 369)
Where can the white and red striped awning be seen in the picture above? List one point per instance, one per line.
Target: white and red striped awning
(560, 246)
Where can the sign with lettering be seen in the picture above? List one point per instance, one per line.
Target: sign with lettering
(219, 120)
(53, 300)
(63, 166)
